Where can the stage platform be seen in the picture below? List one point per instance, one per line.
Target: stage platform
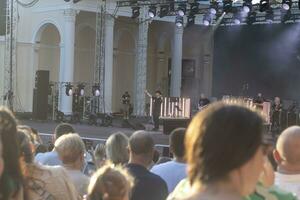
(94, 132)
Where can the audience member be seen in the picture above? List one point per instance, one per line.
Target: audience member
(116, 148)
(43, 182)
(11, 182)
(174, 171)
(71, 149)
(147, 186)
(287, 156)
(51, 158)
(110, 184)
(225, 155)
(99, 155)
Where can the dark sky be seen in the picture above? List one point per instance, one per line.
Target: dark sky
(267, 57)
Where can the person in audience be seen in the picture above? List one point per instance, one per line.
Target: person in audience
(148, 186)
(116, 148)
(71, 149)
(110, 183)
(11, 181)
(174, 171)
(51, 158)
(43, 182)
(225, 152)
(99, 155)
(287, 156)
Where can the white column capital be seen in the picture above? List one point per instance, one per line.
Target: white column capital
(70, 14)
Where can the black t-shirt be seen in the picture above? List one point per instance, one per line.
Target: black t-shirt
(147, 186)
(203, 102)
(156, 104)
(126, 99)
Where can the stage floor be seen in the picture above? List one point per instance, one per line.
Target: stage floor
(97, 132)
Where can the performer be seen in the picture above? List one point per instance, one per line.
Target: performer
(258, 101)
(156, 106)
(126, 105)
(276, 116)
(203, 102)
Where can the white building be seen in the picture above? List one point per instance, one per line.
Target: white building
(60, 37)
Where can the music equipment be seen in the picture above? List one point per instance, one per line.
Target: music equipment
(40, 95)
(169, 124)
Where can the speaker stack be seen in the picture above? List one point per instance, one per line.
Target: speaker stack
(40, 95)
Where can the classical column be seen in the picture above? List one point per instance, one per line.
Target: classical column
(108, 70)
(141, 67)
(67, 59)
(176, 70)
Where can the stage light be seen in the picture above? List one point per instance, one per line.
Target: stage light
(135, 12)
(213, 8)
(190, 20)
(270, 16)
(237, 18)
(227, 6)
(69, 89)
(247, 6)
(96, 90)
(264, 5)
(152, 11)
(181, 10)
(286, 4)
(194, 9)
(251, 18)
(206, 20)
(179, 21)
(80, 91)
(164, 11)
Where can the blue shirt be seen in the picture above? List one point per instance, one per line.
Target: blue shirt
(49, 158)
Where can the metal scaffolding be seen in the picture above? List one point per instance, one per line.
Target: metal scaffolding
(10, 65)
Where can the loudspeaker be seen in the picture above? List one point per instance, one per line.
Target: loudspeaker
(40, 95)
(170, 124)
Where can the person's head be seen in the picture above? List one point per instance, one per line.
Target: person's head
(176, 141)
(157, 93)
(224, 145)
(202, 96)
(110, 184)
(141, 148)
(26, 144)
(70, 149)
(99, 155)
(259, 95)
(126, 92)
(62, 129)
(116, 148)
(277, 100)
(12, 178)
(287, 152)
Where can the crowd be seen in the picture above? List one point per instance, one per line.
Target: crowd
(224, 154)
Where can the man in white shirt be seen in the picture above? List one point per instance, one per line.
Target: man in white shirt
(173, 171)
(287, 156)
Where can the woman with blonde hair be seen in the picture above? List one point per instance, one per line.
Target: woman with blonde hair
(110, 183)
(116, 148)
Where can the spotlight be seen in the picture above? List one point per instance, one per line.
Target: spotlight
(181, 10)
(179, 21)
(227, 6)
(69, 89)
(152, 11)
(96, 90)
(164, 11)
(237, 18)
(135, 12)
(251, 18)
(80, 91)
(190, 20)
(194, 9)
(213, 8)
(247, 6)
(287, 16)
(287, 4)
(264, 5)
(270, 16)
(206, 20)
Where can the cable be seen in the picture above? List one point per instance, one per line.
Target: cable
(28, 5)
